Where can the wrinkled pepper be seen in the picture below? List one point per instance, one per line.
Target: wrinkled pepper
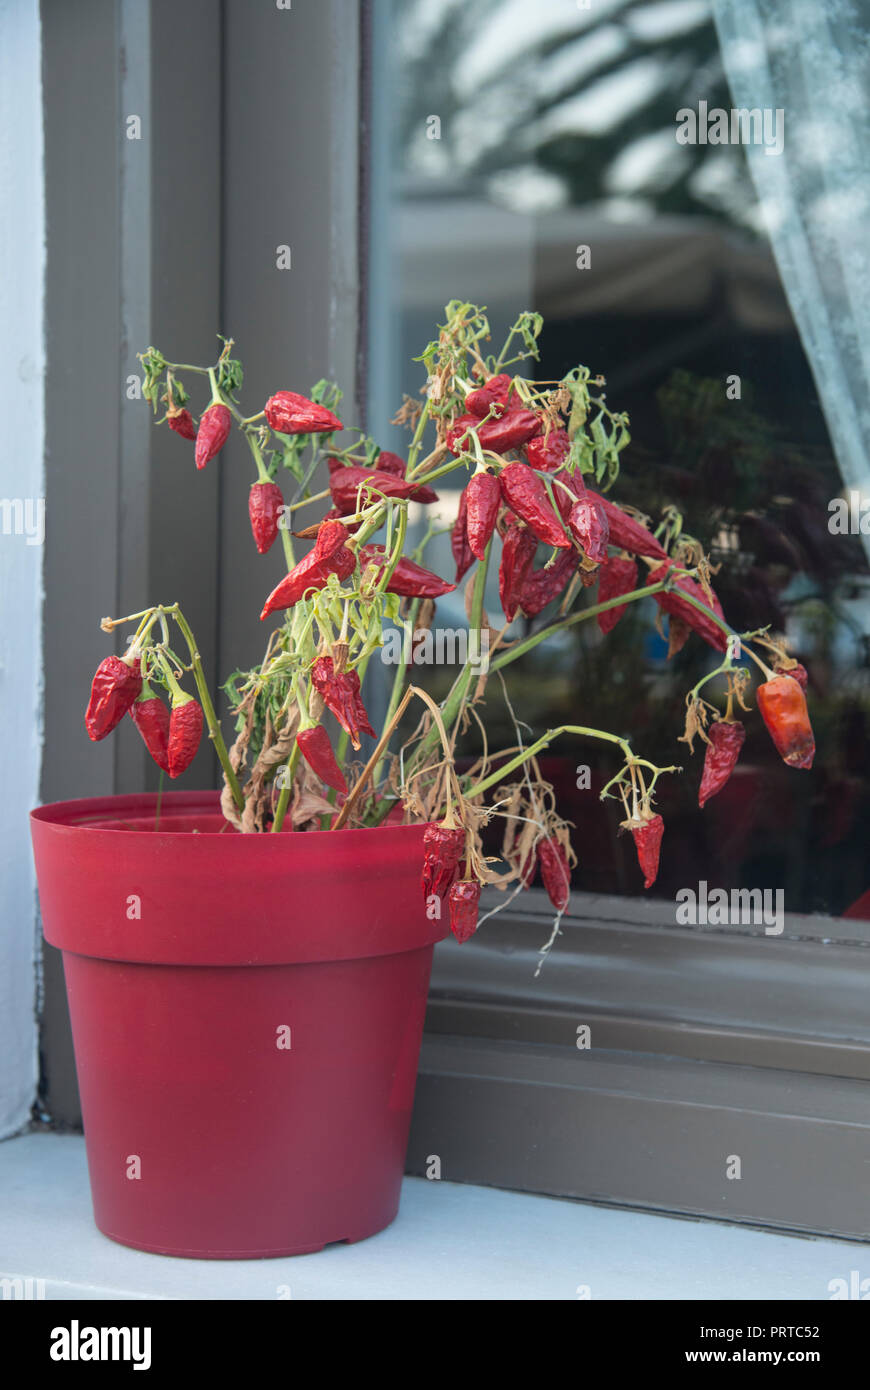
(182, 422)
(340, 693)
(555, 873)
(442, 850)
(329, 556)
(463, 901)
(289, 413)
(541, 586)
(511, 430)
(185, 732)
(671, 602)
(588, 524)
(212, 435)
(550, 452)
(345, 483)
(517, 553)
(483, 499)
(526, 495)
(616, 576)
(265, 503)
(116, 684)
(494, 392)
(462, 552)
(647, 835)
(726, 740)
(151, 717)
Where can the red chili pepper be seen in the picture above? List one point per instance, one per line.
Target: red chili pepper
(483, 498)
(344, 485)
(463, 901)
(514, 428)
(550, 452)
(462, 552)
(212, 435)
(265, 504)
(797, 672)
(647, 836)
(340, 693)
(391, 463)
(316, 749)
(288, 413)
(783, 708)
(493, 392)
(567, 487)
(329, 556)
(616, 576)
(555, 873)
(726, 740)
(524, 492)
(151, 718)
(408, 578)
(628, 534)
(541, 586)
(115, 686)
(517, 553)
(443, 847)
(589, 526)
(671, 602)
(182, 422)
(185, 731)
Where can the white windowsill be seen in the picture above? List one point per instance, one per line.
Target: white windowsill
(450, 1241)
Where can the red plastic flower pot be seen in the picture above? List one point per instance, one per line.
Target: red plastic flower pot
(247, 1013)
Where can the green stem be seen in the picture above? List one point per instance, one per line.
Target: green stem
(284, 799)
(214, 728)
(538, 746)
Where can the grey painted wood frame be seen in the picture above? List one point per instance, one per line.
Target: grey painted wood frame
(705, 1046)
(171, 238)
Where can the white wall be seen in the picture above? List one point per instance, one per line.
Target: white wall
(22, 258)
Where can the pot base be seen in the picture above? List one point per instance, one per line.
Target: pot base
(284, 1253)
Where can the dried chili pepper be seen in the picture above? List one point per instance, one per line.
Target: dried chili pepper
(555, 873)
(726, 740)
(783, 708)
(589, 526)
(265, 506)
(151, 717)
(316, 749)
(511, 430)
(116, 684)
(345, 483)
(391, 463)
(329, 556)
(541, 586)
(671, 602)
(494, 392)
(647, 835)
(526, 495)
(483, 498)
(340, 692)
(462, 552)
(212, 435)
(628, 534)
(549, 452)
(567, 488)
(182, 422)
(289, 413)
(797, 672)
(517, 553)
(463, 901)
(185, 732)
(616, 576)
(443, 847)
(408, 579)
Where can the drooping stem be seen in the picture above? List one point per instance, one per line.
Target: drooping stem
(538, 746)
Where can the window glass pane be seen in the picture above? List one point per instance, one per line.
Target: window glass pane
(525, 156)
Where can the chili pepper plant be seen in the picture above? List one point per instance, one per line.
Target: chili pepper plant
(540, 459)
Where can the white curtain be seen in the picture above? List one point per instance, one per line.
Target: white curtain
(812, 59)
